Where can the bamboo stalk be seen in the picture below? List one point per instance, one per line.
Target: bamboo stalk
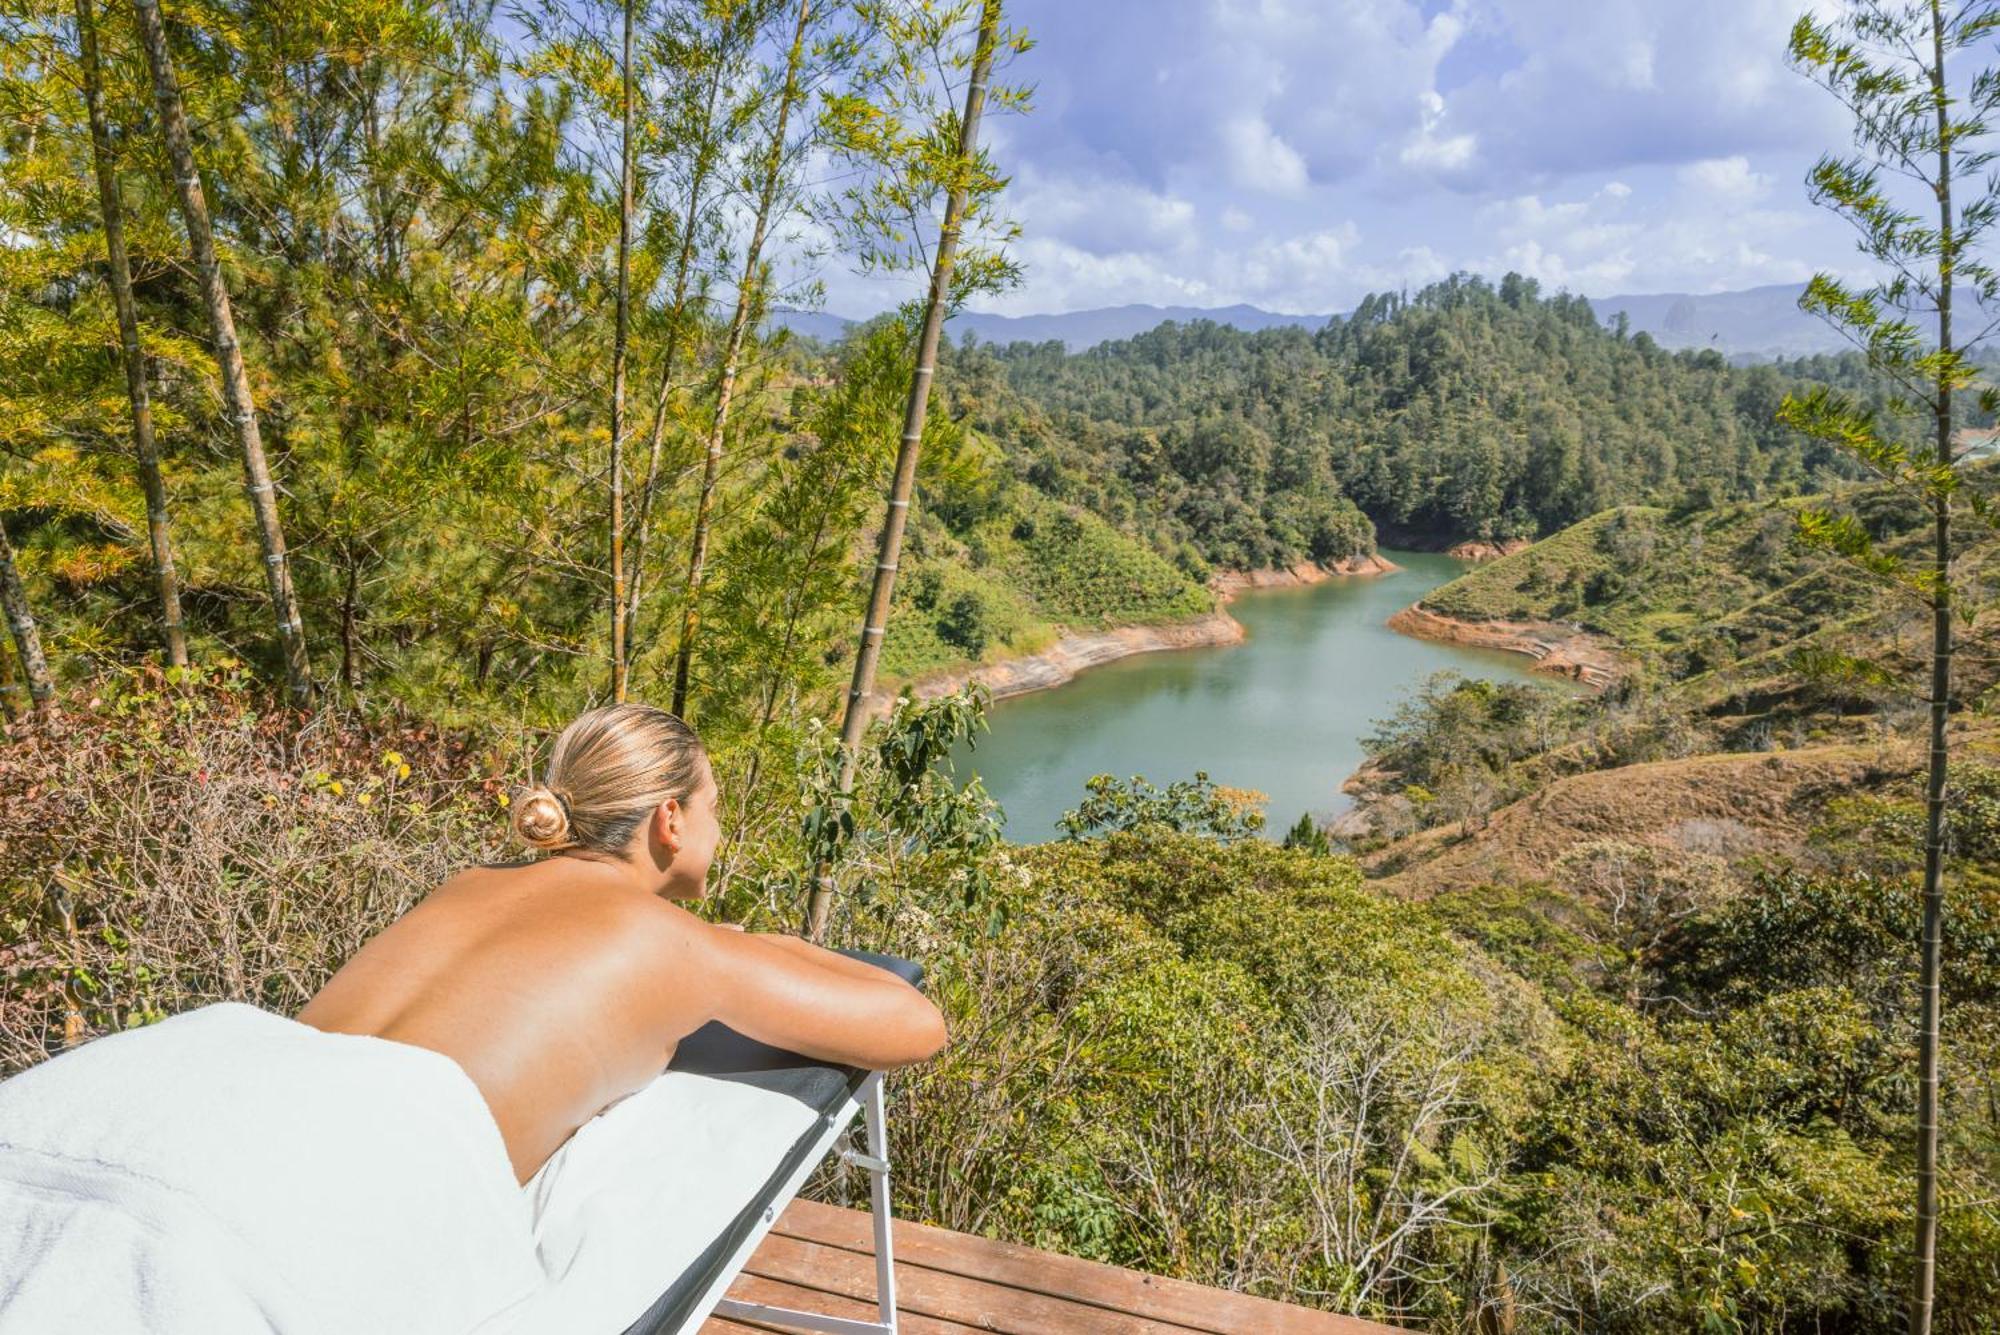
(875, 624)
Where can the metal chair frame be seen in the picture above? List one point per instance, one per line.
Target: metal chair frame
(867, 1100)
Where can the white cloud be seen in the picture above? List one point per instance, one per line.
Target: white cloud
(1725, 179)
(1205, 158)
(1258, 159)
(1601, 244)
(1098, 214)
(1591, 86)
(1432, 151)
(1304, 273)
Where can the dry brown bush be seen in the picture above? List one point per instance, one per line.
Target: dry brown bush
(169, 845)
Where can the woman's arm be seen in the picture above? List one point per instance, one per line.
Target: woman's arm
(831, 959)
(791, 994)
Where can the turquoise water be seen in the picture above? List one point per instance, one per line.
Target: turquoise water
(1283, 713)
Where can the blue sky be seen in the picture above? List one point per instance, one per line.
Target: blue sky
(1296, 154)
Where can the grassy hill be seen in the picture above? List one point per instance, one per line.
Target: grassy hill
(1726, 603)
(1018, 580)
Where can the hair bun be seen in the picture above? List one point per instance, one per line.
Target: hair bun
(541, 820)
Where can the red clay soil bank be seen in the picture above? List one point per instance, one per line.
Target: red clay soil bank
(1070, 655)
(1555, 648)
(1482, 550)
(1228, 583)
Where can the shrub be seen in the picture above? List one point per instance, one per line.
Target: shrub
(1187, 806)
(962, 624)
(177, 844)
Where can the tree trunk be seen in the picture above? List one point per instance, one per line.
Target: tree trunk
(725, 390)
(228, 355)
(619, 644)
(676, 328)
(876, 622)
(27, 640)
(1934, 788)
(120, 273)
(746, 791)
(350, 616)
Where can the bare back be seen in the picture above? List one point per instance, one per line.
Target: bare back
(559, 990)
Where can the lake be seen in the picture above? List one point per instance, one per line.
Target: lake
(1283, 713)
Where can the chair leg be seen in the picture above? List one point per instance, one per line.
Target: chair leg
(876, 1164)
(878, 1199)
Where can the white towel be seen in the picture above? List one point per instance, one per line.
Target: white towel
(637, 1194)
(232, 1170)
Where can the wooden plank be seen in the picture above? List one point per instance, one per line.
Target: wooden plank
(923, 1290)
(752, 1288)
(1113, 1287)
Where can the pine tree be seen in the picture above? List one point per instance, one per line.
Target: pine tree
(236, 393)
(1887, 66)
(118, 270)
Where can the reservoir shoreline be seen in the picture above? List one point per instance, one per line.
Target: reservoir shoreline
(1558, 649)
(1060, 662)
(1283, 711)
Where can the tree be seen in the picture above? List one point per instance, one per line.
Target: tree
(27, 640)
(700, 121)
(963, 174)
(119, 273)
(236, 393)
(780, 160)
(619, 641)
(1887, 66)
(791, 566)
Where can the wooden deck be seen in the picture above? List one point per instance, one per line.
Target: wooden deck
(822, 1258)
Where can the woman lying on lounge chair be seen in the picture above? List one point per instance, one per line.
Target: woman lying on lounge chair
(358, 1168)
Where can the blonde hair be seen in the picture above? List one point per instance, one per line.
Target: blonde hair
(609, 769)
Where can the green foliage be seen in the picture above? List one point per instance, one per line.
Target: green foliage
(897, 130)
(1730, 598)
(1308, 835)
(962, 624)
(1454, 743)
(1186, 806)
(1085, 573)
(1354, 1076)
(904, 810)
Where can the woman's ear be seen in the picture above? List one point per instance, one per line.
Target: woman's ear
(667, 823)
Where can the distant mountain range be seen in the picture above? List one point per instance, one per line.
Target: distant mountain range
(1758, 320)
(1077, 330)
(1756, 323)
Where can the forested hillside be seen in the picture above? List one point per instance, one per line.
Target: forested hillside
(1464, 410)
